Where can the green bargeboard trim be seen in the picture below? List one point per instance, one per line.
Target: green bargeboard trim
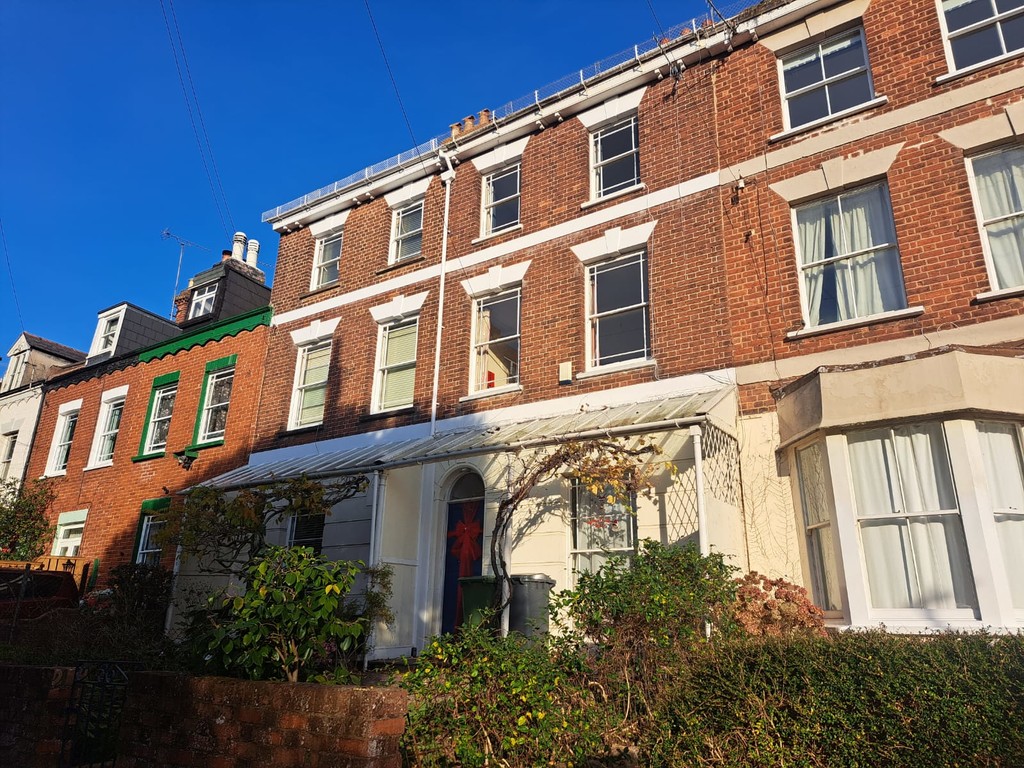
(211, 367)
(231, 327)
(158, 383)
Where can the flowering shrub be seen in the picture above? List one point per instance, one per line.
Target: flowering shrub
(775, 608)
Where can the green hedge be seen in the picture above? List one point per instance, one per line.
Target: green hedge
(866, 699)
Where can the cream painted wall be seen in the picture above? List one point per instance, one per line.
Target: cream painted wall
(19, 412)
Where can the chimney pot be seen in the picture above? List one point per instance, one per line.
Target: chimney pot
(485, 117)
(238, 246)
(225, 254)
(456, 130)
(252, 253)
(467, 121)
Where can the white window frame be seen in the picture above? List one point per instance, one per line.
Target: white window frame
(594, 318)
(159, 394)
(63, 437)
(384, 330)
(845, 256)
(490, 204)
(68, 534)
(479, 347)
(207, 407)
(826, 82)
(317, 521)
(13, 375)
(997, 20)
(398, 237)
(299, 388)
(105, 339)
(110, 402)
(984, 223)
(618, 514)
(597, 164)
(321, 263)
(149, 552)
(975, 512)
(10, 443)
(203, 300)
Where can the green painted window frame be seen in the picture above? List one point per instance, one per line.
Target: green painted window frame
(212, 367)
(160, 382)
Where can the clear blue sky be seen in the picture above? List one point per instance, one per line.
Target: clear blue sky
(98, 155)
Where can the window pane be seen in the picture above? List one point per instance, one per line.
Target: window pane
(1001, 452)
(505, 214)
(849, 92)
(619, 174)
(165, 403)
(802, 70)
(410, 246)
(813, 488)
(824, 569)
(398, 387)
(1013, 33)
(976, 47)
(401, 345)
(961, 13)
(619, 284)
(410, 220)
(317, 365)
(621, 337)
(498, 318)
(221, 391)
(808, 107)
(504, 185)
(616, 141)
(843, 55)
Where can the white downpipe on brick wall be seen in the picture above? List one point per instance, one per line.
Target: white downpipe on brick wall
(446, 178)
(698, 471)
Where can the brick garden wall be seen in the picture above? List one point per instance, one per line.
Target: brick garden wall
(32, 703)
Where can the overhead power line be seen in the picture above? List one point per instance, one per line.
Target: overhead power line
(14, 290)
(220, 199)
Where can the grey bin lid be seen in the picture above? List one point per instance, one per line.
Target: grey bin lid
(539, 577)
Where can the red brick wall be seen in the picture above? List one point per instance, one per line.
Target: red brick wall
(32, 703)
(113, 495)
(173, 721)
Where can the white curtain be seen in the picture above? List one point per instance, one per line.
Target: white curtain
(1001, 452)
(912, 560)
(1000, 182)
(862, 284)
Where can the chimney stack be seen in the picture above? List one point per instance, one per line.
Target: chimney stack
(238, 246)
(225, 254)
(252, 252)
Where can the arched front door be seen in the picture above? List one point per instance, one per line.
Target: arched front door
(464, 540)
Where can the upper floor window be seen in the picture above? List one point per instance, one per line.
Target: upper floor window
(615, 153)
(63, 435)
(396, 365)
(15, 369)
(603, 526)
(8, 443)
(501, 200)
(108, 333)
(983, 30)
(826, 79)
(213, 408)
(107, 330)
(496, 341)
(618, 323)
(202, 301)
(310, 395)
(328, 257)
(158, 418)
(849, 261)
(407, 232)
(999, 185)
(108, 425)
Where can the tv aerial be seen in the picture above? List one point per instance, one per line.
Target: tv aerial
(183, 244)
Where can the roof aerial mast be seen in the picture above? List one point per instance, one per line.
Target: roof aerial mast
(183, 244)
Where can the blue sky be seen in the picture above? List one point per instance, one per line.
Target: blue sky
(98, 154)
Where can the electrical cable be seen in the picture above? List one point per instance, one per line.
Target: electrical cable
(192, 120)
(14, 291)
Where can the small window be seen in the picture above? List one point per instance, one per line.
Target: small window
(108, 426)
(310, 394)
(983, 30)
(67, 539)
(849, 261)
(328, 257)
(618, 310)
(150, 552)
(601, 528)
(108, 333)
(496, 341)
(307, 531)
(160, 418)
(616, 157)
(216, 398)
(8, 443)
(67, 422)
(108, 327)
(999, 198)
(407, 232)
(826, 79)
(202, 301)
(813, 479)
(501, 200)
(396, 367)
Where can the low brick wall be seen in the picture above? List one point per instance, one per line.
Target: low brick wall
(32, 710)
(211, 722)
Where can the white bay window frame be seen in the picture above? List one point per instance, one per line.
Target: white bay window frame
(997, 189)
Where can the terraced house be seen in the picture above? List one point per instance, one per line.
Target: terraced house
(152, 411)
(788, 247)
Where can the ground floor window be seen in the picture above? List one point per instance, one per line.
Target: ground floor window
(602, 527)
(307, 531)
(67, 538)
(149, 550)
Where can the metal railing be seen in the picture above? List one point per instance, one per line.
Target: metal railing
(698, 26)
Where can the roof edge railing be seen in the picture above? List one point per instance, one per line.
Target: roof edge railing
(696, 27)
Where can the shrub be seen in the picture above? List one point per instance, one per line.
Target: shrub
(24, 527)
(477, 699)
(775, 607)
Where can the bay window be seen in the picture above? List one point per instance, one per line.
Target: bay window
(999, 200)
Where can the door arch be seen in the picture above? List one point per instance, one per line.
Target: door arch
(463, 544)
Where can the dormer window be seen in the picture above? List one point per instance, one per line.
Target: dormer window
(202, 301)
(107, 330)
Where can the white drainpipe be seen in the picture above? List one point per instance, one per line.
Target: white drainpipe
(698, 470)
(375, 534)
(447, 177)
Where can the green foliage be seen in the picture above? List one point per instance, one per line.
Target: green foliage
(139, 595)
(290, 624)
(24, 528)
(477, 700)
